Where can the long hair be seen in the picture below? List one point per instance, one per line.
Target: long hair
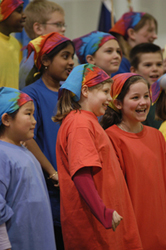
(160, 112)
(125, 47)
(34, 71)
(111, 116)
(65, 105)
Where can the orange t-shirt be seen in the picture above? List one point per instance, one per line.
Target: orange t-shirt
(142, 157)
(81, 142)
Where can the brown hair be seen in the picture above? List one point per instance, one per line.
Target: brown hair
(123, 42)
(66, 102)
(39, 11)
(143, 48)
(160, 112)
(111, 116)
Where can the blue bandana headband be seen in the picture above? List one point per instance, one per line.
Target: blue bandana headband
(84, 74)
(90, 43)
(11, 100)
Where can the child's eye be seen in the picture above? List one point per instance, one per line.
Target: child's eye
(135, 97)
(148, 65)
(65, 56)
(159, 64)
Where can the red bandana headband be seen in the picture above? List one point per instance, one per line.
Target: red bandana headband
(7, 7)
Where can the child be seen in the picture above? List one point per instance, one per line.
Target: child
(91, 181)
(99, 48)
(53, 63)
(131, 29)
(147, 60)
(159, 98)
(12, 19)
(141, 152)
(25, 211)
(42, 17)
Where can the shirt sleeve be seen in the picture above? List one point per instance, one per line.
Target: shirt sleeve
(4, 239)
(84, 183)
(6, 211)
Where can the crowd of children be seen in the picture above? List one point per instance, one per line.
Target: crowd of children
(82, 155)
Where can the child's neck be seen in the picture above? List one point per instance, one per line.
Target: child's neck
(4, 30)
(131, 128)
(51, 83)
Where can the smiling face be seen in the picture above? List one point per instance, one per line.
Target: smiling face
(21, 128)
(147, 34)
(98, 99)
(108, 57)
(15, 22)
(60, 67)
(136, 103)
(150, 66)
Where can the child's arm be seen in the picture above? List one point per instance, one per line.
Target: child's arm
(46, 165)
(4, 239)
(84, 183)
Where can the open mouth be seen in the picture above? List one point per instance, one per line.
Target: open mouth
(154, 77)
(141, 110)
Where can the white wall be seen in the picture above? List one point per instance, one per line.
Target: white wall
(82, 15)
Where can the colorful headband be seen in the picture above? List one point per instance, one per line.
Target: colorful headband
(43, 45)
(84, 74)
(128, 20)
(157, 87)
(118, 83)
(11, 100)
(7, 7)
(89, 44)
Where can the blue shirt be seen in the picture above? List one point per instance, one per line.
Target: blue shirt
(24, 201)
(46, 130)
(124, 67)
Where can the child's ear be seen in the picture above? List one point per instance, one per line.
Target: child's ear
(5, 119)
(131, 33)
(133, 70)
(45, 61)
(118, 104)
(38, 29)
(90, 59)
(84, 90)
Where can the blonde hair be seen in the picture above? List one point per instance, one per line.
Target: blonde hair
(39, 11)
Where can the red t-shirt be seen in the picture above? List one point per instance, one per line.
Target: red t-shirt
(142, 157)
(82, 143)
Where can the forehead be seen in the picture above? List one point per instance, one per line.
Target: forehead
(150, 57)
(135, 87)
(27, 105)
(110, 43)
(56, 16)
(149, 24)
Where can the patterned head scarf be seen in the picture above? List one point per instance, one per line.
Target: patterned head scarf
(118, 83)
(90, 43)
(11, 100)
(157, 87)
(7, 7)
(84, 74)
(43, 45)
(128, 20)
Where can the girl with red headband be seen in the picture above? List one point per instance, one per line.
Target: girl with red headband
(53, 57)
(141, 151)
(94, 195)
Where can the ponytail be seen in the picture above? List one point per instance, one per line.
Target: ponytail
(64, 106)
